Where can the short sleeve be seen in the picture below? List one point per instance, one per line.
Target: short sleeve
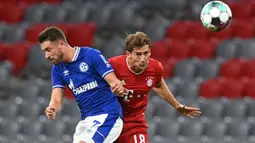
(160, 71)
(57, 80)
(102, 65)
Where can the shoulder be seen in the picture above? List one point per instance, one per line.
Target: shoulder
(117, 60)
(156, 65)
(57, 67)
(90, 55)
(90, 51)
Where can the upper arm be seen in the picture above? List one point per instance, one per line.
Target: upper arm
(58, 85)
(160, 85)
(160, 73)
(101, 64)
(57, 79)
(57, 94)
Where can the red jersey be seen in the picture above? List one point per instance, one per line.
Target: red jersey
(140, 84)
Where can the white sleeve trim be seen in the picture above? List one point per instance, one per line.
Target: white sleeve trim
(107, 73)
(58, 86)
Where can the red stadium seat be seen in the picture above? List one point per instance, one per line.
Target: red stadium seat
(3, 48)
(159, 50)
(242, 28)
(197, 31)
(202, 49)
(222, 35)
(249, 89)
(241, 10)
(53, 1)
(12, 13)
(34, 31)
(17, 53)
(231, 88)
(177, 30)
(178, 49)
(168, 66)
(210, 88)
(248, 69)
(231, 68)
(81, 34)
(9, 1)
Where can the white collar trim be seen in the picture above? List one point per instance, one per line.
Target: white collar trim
(76, 54)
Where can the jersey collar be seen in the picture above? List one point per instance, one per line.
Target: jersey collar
(76, 54)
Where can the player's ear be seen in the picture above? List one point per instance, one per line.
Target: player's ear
(61, 43)
(128, 53)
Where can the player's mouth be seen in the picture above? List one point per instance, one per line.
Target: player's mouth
(143, 65)
(51, 60)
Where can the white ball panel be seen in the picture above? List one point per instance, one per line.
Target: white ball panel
(207, 19)
(215, 12)
(224, 17)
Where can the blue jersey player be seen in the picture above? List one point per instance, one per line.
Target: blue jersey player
(92, 80)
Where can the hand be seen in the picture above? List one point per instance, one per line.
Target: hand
(188, 111)
(50, 112)
(117, 88)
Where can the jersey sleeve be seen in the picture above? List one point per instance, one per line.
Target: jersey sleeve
(111, 61)
(160, 72)
(102, 65)
(57, 80)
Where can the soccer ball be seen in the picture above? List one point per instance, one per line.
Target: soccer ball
(216, 16)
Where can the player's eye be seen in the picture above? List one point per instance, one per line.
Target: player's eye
(138, 54)
(47, 50)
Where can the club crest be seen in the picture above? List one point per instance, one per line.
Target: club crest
(149, 81)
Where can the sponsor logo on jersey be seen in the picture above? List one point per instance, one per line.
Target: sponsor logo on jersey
(82, 88)
(71, 85)
(83, 67)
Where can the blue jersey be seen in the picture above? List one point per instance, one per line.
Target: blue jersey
(85, 77)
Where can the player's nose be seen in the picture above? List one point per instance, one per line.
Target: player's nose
(143, 59)
(47, 56)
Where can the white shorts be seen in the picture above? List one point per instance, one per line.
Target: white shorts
(102, 128)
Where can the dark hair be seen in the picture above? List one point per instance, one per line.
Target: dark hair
(51, 34)
(137, 40)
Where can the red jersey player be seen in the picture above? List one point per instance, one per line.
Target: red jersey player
(140, 74)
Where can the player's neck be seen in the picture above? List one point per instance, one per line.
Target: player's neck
(70, 53)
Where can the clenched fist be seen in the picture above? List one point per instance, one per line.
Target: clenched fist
(50, 112)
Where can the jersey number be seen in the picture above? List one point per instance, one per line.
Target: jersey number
(139, 138)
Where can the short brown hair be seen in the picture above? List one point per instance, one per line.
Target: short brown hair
(51, 34)
(139, 39)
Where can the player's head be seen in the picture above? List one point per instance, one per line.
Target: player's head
(138, 49)
(52, 41)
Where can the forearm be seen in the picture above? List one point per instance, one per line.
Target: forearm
(111, 79)
(57, 98)
(57, 104)
(166, 94)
